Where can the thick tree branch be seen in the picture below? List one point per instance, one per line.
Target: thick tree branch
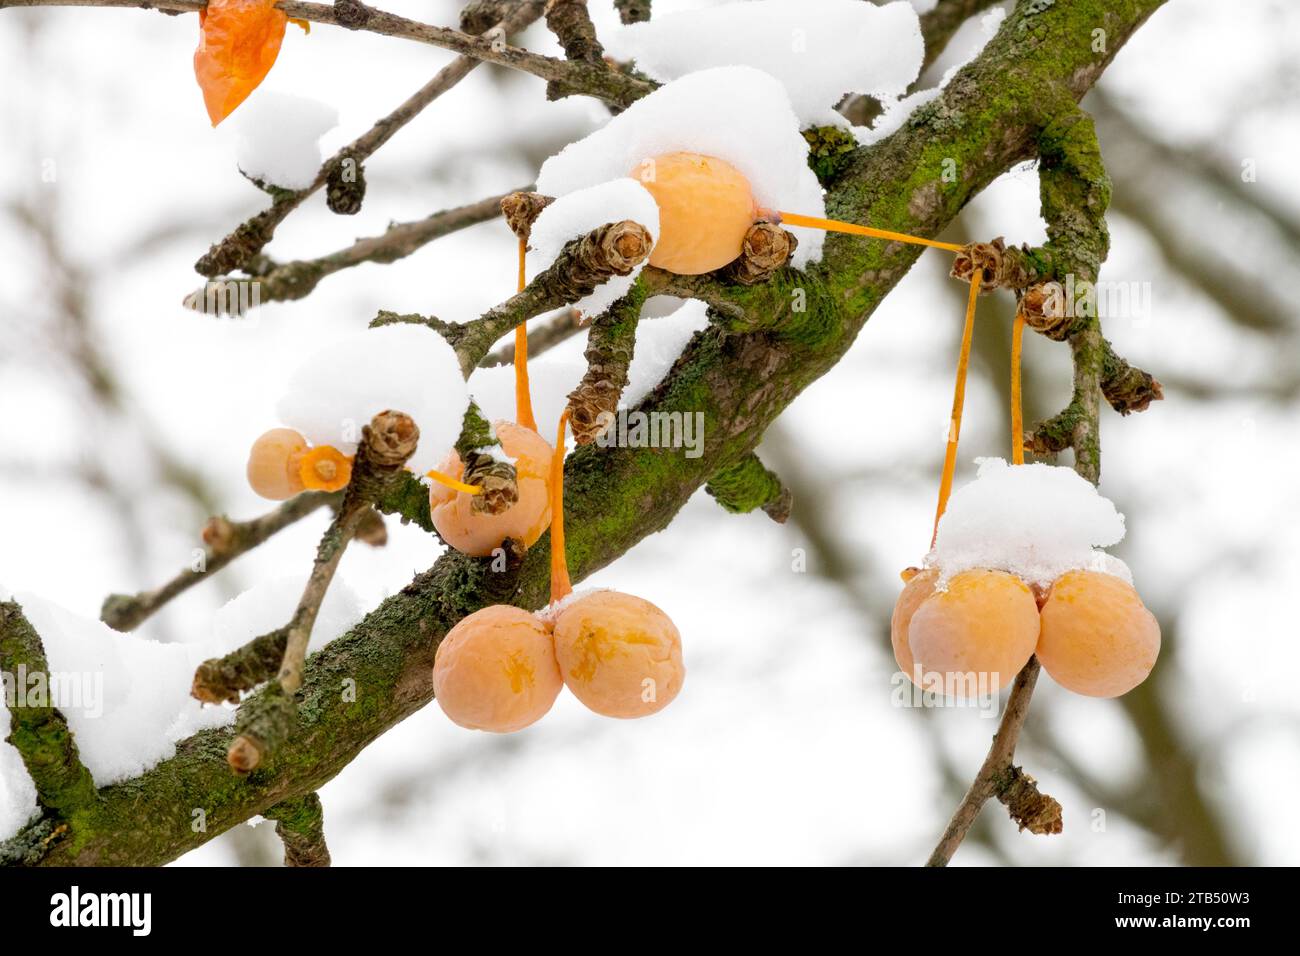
(740, 379)
(37, 729)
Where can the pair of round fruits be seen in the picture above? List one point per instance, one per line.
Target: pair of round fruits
(1090, 630)
(501, 668)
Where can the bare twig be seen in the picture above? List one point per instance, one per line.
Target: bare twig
(125, 612)
(992, 778)
(238, 249)
(295, 280)
(609, 250)
(610, 345)
(386, 443)
(541, 339)
(615, 88)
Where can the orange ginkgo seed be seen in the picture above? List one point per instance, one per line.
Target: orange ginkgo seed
(325, 468)
(273, 464)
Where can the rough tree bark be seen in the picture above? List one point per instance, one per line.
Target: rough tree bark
(767, 343)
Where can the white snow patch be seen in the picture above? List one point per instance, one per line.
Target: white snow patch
(551, 613)
(404, 367)
(658, 344)
(277, 138)
(896, 112)
(1035, 521)
(17, 792)
(736, 113)
(271, 603)
(820, 50)
(127, 699)
(575, 214)
(893, 116)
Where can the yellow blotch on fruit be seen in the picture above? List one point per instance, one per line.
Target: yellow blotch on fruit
(705, 208)
(1097, 638)
(977, 633)
(620, 655)
(919, 587)
(273, 464)
(479, 534)
(325, 468)
(496, 670)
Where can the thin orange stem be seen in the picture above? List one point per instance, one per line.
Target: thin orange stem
(834, 225)
(561, 586)
(451, 482)
(1017, 409)
(958, 400)
(523, 395)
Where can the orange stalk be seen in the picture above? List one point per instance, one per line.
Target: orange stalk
(834, 225)
(452, 483)
(561, 586)
(958, 400)
(523, 395)
(1017, 409)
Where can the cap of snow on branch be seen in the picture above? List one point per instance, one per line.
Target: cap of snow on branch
(1035, 521)
(404, 367)
(575, 214)
(278, 138)
(820, 50)
(737, 114)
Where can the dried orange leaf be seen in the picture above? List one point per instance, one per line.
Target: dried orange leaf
(238, 43)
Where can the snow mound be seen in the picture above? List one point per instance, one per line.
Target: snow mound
(405, 367)
(1035, 521)
(271, 603)
(127, 699)
(277, 138)
(819, 49)
(659, 342)
(577, 213)
(737, 113)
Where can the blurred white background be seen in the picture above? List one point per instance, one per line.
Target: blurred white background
(126, 421)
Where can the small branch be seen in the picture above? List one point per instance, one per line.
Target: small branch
(297, 279)
(300, 825)
(37, 729)
(615, 88)
(266, 720)
(610, 346)
(222, 679)
(238, 249)
(572, 26)
(996, 775)
(386, 444)
(747, 485)
(607, 251)
(541, 339)
(226, 540)
(633, 11)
